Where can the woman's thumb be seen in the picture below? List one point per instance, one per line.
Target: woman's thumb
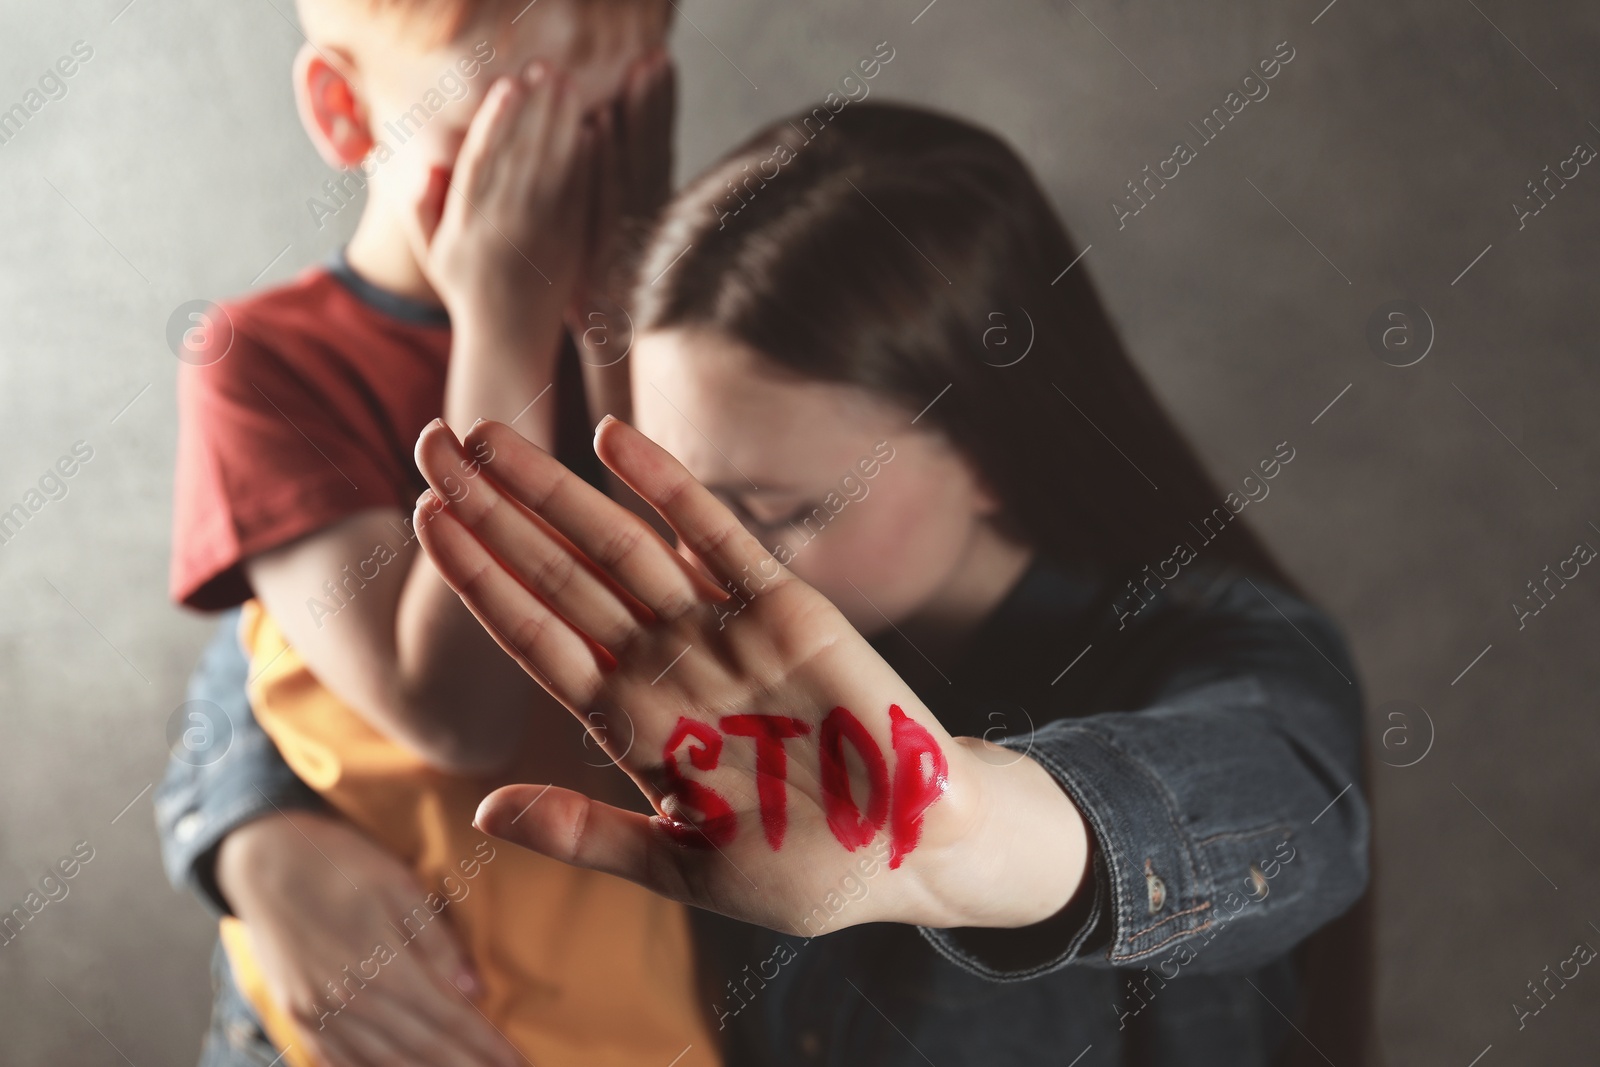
(570, 827)
(502, 813)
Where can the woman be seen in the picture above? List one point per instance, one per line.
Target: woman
(1174, 804)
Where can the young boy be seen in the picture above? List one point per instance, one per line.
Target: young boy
(503, 152)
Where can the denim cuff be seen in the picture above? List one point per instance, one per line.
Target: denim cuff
(193, 822)
(1149, 889)
(209, 792)
(1158, 891)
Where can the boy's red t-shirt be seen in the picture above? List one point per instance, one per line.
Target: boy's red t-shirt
(310, 416)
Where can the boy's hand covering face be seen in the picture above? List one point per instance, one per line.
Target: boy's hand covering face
(779, 750)
(633, 170)
(502, 237)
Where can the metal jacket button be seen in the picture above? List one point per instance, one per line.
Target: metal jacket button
(1156, 887)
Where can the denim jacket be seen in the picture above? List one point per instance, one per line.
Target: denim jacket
(1209, 731)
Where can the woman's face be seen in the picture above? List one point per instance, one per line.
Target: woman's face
(875, 513)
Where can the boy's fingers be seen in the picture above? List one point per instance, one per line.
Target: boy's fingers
(568, 121)
(564, 162)
(658, 95)
(608, 158)
(486, 134)
(545, 87)
(544, 646)
(652, 105)
(702, 522)
(570, 827)
(599, 174)
(581, 193)
(429, 208)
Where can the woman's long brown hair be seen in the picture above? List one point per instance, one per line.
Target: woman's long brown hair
(914, 255)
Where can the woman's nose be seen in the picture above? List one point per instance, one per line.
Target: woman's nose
(687, 553)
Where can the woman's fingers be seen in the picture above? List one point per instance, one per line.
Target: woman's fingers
(354, 1041)
(616, 540)
(550, 651)
(570, 827)
(539, 557)
(428, 1029)
(439, 951)
(432, 1020)
(702, 522)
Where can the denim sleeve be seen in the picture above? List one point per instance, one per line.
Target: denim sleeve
(223, 771)
(1227, 809)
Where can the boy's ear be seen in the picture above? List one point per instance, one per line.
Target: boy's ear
(333, 113)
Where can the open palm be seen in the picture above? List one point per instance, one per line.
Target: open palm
(780, 752)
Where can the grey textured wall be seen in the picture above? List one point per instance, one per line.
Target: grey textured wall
(1382, 166)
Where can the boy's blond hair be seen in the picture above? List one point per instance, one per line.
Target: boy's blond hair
(434, 22)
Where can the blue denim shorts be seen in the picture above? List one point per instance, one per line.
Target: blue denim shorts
(234, 1037)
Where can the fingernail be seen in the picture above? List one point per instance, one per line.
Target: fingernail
(607, 418)
(474, 425)
(534, 71)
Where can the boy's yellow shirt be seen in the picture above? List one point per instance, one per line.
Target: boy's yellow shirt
(578, 967)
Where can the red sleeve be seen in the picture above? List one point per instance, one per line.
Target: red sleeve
(269, 450)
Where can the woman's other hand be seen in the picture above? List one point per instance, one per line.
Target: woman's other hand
(317, 897)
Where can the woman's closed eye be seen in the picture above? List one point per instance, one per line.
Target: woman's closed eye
(755, 523)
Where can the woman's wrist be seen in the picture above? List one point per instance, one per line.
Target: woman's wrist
(245, 857)
(1028, 857)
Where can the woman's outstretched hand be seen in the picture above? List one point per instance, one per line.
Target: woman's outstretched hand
(781, 754)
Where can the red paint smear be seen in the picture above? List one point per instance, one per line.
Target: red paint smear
(772, 765)
(718, 822)
(716, 831)
(844, 816)
(916, 784)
